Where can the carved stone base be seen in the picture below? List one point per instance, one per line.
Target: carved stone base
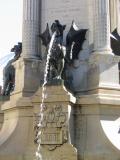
(96, 128)
(64, 152)
(54, 131)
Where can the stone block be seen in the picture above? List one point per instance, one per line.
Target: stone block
(16, 135)
(27, 78)
(89, 131)
(53, 118)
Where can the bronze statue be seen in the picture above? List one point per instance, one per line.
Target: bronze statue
(17, 49)
(56, 55)
(9, 71)
(45, 37)
(115, 42)
(74, 41)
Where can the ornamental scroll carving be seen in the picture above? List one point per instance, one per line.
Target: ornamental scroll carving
(54, 128)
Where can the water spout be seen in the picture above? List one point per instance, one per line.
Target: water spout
(42, 106)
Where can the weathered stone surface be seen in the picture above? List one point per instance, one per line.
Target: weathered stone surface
(65, 152)
(54, 128)
(89, 137)
(27, 78)
(66, 11)
(31, 20)
(97, 92)
(16, 135)
(101, 26)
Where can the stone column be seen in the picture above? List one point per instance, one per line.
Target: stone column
(101, 26)
(27, 68)
(31, 23)
(113, 15)
(118, 16)
(102, 62)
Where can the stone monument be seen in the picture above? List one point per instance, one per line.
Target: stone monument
(16, 134)
(76, 126)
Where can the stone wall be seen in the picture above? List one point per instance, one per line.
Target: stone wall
(66, 11)
(82, 13)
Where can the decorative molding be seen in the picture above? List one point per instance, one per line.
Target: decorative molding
(53, 130)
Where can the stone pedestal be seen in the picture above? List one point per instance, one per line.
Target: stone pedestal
(16, 135)
(103, 73)
(54, 138)
(17, 132)
(27, 76)
(90, 138)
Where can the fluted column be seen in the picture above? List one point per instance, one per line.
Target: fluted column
(31, 22)
(113, 15)
(101, 25)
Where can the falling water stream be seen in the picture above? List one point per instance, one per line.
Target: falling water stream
(3, 61)
(44, 95)
(6, 58)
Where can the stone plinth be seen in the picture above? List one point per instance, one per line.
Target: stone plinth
(16, 135)
(89, 115)
(27, 76)
(17, 132)
(54, 138)
(103, 73)
(67, 151)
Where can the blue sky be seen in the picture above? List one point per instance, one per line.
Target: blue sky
(10, 26)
